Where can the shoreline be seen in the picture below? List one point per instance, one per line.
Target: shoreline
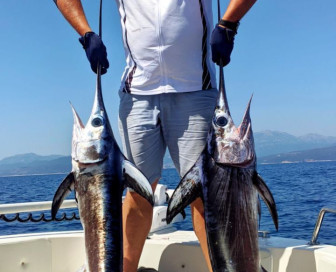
(28, 175)
(293, 162)
(166, 168)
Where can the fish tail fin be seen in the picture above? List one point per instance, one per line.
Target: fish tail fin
(189, 188)
(267, 197)
(136, 180)
(62, 192)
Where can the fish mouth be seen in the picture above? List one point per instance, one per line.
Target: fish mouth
(243, 164)
(90, 162)
(89, 152)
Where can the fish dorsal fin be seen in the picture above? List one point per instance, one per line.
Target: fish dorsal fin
(267, 197)
(62, 192)
(245, 125)
(189, 188)
(78, 124)
(136, 180)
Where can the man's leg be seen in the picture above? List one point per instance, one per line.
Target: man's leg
(137, 220)
(143, 144)
(197, 213)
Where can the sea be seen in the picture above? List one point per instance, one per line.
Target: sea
(299, 189)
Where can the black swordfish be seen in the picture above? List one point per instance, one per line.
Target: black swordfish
(226, 179)
(100, 172)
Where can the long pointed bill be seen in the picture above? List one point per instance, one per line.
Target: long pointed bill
(222, 102)
(98, 104)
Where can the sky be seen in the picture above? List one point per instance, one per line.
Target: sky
(284, 54)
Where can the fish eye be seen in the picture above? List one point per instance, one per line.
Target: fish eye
(97, 122)
(221, 121)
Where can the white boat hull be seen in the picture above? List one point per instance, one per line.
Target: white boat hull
(176, 251)
(166, 250)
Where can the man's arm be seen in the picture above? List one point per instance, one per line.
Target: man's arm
(73, 12)
(95, 49)
(237, 9)
(222, 37)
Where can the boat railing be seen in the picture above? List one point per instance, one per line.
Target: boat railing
(23, 212)
(29, 207)
(264, 234)
(318, 224)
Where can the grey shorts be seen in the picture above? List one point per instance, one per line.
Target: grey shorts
(149, 124)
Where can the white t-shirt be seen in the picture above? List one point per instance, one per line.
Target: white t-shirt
(167, 46)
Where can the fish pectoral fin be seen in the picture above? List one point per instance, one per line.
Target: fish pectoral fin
(62, 192)
(189, 188)
(136, 180)
(267, 197)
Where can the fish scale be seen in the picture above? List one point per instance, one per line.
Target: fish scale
(233, 218)
(104, 226)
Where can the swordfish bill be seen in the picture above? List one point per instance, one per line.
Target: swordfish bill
(225, 178)
(100, 172)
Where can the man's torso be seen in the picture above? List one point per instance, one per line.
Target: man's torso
(167, 45)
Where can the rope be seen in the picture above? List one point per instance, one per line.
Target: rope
(100, 18)
(218, 10)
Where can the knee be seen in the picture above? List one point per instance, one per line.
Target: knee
(135, 203)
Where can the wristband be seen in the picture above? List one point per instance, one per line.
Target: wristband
(83, 39)
(230, 25)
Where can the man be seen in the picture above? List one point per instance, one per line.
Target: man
(167, 94)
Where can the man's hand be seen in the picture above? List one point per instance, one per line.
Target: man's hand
(95, 51)
(222, 40)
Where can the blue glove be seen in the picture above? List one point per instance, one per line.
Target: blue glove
(95, 51)
(222, 40)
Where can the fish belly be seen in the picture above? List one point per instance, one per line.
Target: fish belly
(100, 208)
(230, 205)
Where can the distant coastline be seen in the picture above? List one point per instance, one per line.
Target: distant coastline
(297, 162)
(325, 154)
(171, 167)
(272, 147)
(29, 175)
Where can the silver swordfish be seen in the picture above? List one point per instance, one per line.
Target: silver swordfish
(100, 172)
(226, 179)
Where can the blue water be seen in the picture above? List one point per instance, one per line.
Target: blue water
(300, 191)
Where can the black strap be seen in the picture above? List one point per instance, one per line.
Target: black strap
(230, 25)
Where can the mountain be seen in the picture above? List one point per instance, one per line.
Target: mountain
(275, 142)
(27, 164)
(312, 155)
(28, 158)
(271, 147)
